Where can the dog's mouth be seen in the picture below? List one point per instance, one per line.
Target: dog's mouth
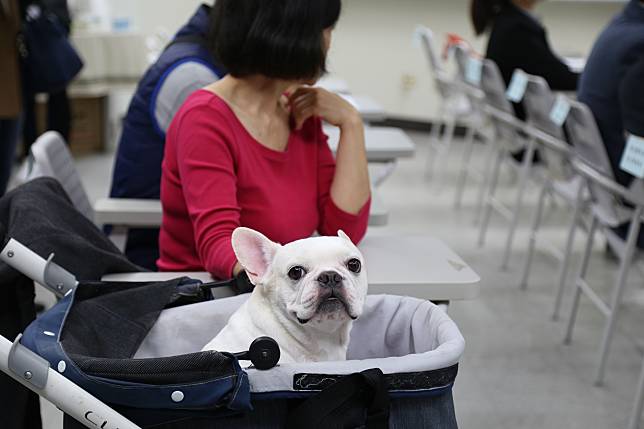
(333, 303)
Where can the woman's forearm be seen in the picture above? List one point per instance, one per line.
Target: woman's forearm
(351, 187)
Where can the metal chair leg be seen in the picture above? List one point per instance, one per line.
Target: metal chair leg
(563, 269)
(518, 204)
(465, 163)
(441, 161)
(488, 200)
(636, 414)
(580, 277)
(616, 299)
(483, 186)
(435, 143)
(536, 223)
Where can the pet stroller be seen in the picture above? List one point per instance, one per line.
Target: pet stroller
(127, 355)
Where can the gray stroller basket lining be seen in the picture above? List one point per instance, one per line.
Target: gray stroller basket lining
(399, 335)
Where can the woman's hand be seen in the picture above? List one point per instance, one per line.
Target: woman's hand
(306, 102)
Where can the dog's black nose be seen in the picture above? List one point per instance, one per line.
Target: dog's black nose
(330, 279)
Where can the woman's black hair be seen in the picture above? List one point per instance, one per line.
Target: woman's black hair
(483, 12)
(279, 39)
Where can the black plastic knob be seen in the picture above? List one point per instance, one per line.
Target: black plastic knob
(264, 353)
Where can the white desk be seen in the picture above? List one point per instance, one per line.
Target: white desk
(133, 213)
(418, 266)
(334, 84)
(370, 109)
(383, 144)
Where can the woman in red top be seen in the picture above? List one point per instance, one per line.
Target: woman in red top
(249, 149)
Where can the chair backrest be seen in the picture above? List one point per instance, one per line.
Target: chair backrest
(589, 146)
(461, 56)
(538, 102)
(427, 40)
(51, 158)
(493, 86)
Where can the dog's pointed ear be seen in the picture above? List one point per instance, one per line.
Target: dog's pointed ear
(254, 252)
(344, 236)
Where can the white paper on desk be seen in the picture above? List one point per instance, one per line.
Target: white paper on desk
(517, 87)
(560, 110)
(633, 157)
(474, 71)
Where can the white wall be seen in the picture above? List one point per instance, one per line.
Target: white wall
(373, 47)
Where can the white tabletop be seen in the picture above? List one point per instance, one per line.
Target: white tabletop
(134, 213)
(418, 266)
(382, 143)
(334, 84)
(369, 108)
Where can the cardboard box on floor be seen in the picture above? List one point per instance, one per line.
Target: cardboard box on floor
(89, 120)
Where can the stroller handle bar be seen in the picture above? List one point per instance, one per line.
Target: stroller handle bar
(43, 271)
(57, 389)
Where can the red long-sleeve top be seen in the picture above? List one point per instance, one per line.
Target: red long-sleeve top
(217, 177)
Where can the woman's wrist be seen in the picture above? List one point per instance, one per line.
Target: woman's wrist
(352, 120)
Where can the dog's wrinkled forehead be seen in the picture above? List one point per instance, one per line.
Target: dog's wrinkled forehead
(317, 251)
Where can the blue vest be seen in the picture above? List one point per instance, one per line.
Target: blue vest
(137, 167)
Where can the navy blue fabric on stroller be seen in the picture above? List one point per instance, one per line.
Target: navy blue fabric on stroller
(136, 347)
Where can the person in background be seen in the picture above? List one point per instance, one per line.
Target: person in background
(10, 95)
(59, 117)
(20, 408)
(185, 66)
(631, 97)
(249, 149)
(618, 48)
(610, 86)
(519, 41)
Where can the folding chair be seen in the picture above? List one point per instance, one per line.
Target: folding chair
(50, 157)
(611, 205)
(511, 136)
(453, 103)
(477, 126)
(557, 180)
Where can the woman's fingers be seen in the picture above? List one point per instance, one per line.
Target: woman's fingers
(301, 115)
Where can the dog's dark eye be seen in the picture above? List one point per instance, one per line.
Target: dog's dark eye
(354, 265)
(296, 273)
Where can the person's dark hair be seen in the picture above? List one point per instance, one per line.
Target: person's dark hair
(279, 39)
(483, 12)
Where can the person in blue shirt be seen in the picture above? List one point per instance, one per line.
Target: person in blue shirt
(185, 66)
(610, 68)
(616, 50)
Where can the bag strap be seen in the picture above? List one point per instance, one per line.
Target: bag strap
(325, 408)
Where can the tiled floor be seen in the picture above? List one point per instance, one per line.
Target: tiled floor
(515, 373)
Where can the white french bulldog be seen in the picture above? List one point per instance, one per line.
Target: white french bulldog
(307, 294)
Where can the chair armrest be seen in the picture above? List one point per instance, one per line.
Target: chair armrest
(610, 185)
(128, 212)
(545, 139)
(504, 117)
(551, 142)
